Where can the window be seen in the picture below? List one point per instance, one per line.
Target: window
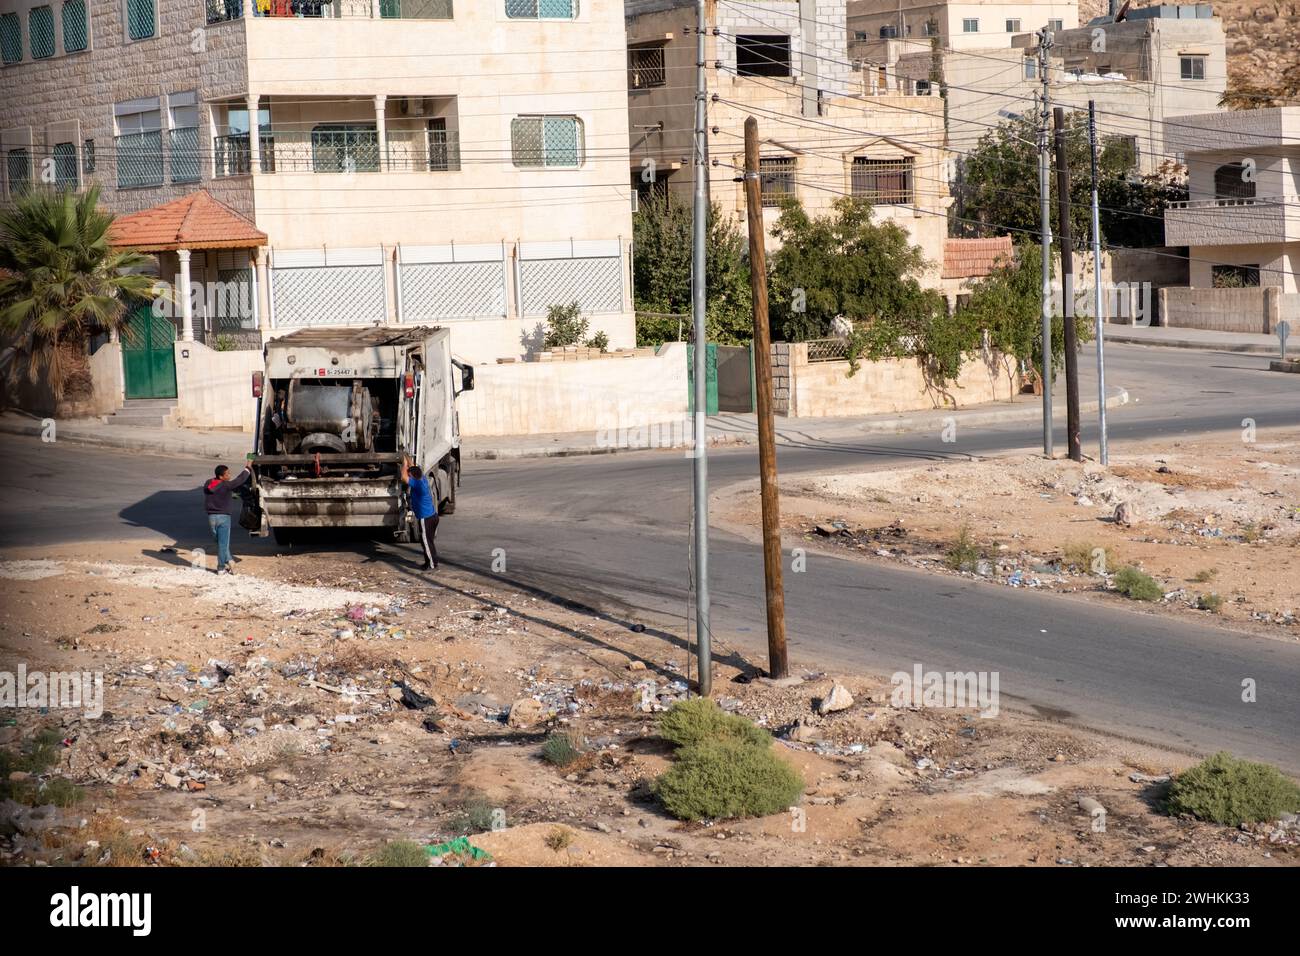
(542, 9)
(183, 137)
(138, 143)
(776, 178)
(87, 157)
(882, 182)
(444, 147)
(889, 32)
(40, 32)
(645, 67)
(18, 169)
(345, 148)
(1013, 26)
(541, 141)
(1031, 68)
(1230, 182)
(1191, 67)
(970, 25)
(1055, 26)
(65, 166)
(1234, 277)
(859, 34)
(140, 19)
(922, 87)
(763, 55)
(11, 38)
(930, 28)
(75, 35)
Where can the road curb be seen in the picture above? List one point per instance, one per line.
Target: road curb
(1249, 348)
(187, 446)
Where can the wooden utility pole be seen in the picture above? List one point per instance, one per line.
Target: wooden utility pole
(778, 664)
(1072, 433)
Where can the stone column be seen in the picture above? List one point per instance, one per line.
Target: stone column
(183, 290)
(254, 135)
(381, 129)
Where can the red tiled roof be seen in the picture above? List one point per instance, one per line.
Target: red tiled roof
(196, 221)
(973, 258)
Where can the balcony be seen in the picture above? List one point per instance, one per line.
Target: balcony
(1227, 222)
(221, 11)
(339, 148)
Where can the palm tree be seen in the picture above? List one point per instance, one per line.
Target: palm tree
(61, 282)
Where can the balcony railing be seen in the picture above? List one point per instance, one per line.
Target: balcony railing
(339, 149)
(220, 11)
(1236, 201)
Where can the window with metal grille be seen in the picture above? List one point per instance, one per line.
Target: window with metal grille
(1013, 26)
(65, 165)
(542, 9)
(763, 55)
(345, 148)
(183, 137)
(87, 157)
(75, 35)
(141, 19)
(1191, 67)
(882, 182)
(1055, 26)
(645, 67)
(970, 25)
(444, 146)
(40, 32)
(537, 141)
(776, 178)
(18, 169)
(138, 144)
(11, 38)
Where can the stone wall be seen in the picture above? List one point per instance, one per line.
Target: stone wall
(1255, 310)
(214, 389)
(813, 389)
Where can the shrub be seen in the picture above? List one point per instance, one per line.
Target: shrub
(477, 816)
(963, 555)
(727, 779)
(1205, 575)
(1224, 789)
(1137, 585)
(559, 839)
(599, 341)
(1082, 557)
(562, 749)
(564, 326)
(1210, 602)
(700, 720)
(400, 853)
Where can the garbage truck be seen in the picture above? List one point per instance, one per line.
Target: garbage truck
(337, 411)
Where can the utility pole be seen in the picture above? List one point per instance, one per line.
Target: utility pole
(778, 664)
(699, 226)
(1045, 235)
(1096, 301)
(1072, 434)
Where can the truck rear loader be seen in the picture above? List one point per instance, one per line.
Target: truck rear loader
(337, 410)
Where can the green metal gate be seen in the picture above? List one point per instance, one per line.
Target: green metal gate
(148, 355)
(710, 379)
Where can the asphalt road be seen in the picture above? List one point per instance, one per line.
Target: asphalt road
(611, 532)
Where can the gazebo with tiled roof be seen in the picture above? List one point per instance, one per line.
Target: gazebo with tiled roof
(193, 222)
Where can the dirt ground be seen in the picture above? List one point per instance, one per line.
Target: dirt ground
(259, 720)
(1215, 521)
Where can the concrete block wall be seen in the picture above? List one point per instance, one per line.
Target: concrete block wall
(214, 389)
(529, 398)
(1256, 310)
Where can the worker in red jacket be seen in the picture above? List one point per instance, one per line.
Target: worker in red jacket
(216, 502)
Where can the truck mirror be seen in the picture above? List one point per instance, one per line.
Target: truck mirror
(467, 378)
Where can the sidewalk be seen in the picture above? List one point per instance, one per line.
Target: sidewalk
(1256, 344)
(231, 447)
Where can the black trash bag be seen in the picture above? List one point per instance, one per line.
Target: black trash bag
(250, 515)
(413, 698)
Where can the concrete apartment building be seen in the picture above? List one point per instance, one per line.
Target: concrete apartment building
(1241, 221)
(364, 161)
(786, 63)
(1159, 61)
(967, 25)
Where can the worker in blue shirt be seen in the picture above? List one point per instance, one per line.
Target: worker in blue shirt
(425, 510)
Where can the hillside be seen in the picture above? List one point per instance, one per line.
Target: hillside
(1263, 60)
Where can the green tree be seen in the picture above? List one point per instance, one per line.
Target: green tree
(61, 282)
(843, 264)
(661, 273)
(997, 187)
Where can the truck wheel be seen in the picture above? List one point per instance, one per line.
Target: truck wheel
(447, 506)
(283, 536)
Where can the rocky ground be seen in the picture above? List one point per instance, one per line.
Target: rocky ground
(317, 707)
(1216, 522)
